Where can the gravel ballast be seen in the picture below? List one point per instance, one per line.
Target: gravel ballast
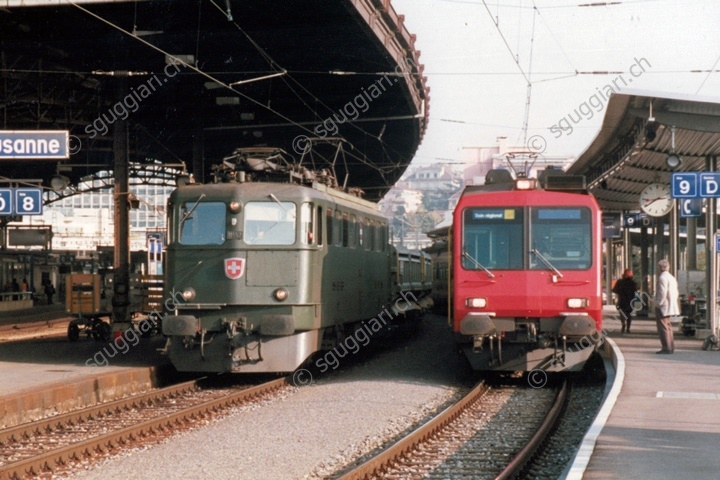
(314, 430)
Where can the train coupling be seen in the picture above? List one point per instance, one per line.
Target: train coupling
(559, 356)
(234, 326)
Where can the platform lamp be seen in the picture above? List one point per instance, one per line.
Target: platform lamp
(133, 202)
(59, 183)
(673, 160)
(650, 127)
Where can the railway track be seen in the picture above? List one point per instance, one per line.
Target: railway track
(490, 433)
(51, 445)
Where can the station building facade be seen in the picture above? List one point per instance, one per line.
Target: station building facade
(82, 223)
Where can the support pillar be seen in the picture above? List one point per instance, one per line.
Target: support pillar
(609, 269)
(659, 240)
(691, 245)
(645, 267)
(711, 254)
(121, 278)
(627, 249)
(198, 160)
(674, 238)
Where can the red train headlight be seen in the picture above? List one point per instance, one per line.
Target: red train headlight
(525, 184)
(578, 303)
(476, 302)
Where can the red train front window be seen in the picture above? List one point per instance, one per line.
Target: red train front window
(493, 238)
(562, 236)
(534, 238)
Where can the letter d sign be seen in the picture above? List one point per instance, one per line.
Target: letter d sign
(711, 187)
(709, 184)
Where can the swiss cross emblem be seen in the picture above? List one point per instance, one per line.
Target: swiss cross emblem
(234, 268)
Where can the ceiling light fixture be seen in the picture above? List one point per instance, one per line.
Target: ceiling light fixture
(673, 160)
(650, 128)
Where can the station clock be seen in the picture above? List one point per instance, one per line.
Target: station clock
(655, 200)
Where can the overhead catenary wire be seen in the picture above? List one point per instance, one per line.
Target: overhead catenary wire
(528, 97)
(507, 45)
(215, 79)
(185, 64)
(276, 67)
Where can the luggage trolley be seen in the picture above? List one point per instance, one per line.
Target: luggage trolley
(146, 300)
(84, 300)
(694, 312)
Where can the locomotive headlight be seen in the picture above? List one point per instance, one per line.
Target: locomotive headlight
(234, 207)
(188, 294)
(525, 184)
(476, 302)
(280, 294)
(577, 302)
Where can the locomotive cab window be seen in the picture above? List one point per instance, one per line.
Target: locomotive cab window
(492, 238)
(319, 226)
(345, 230)
(270, 223)
(562, 236)
(330, 227)
(202, 223)
(338, 228)
(307, 235)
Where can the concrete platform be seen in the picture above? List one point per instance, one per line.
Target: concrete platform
(32, 315)
(51, 375)
(664, 422)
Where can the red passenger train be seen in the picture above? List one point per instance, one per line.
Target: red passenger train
(526, 273)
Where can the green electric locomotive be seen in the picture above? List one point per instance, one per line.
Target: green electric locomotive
(271, 264)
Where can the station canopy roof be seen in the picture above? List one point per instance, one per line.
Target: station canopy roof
(197, 80)
(636, 138)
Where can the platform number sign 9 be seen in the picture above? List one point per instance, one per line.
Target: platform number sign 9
(685, 185)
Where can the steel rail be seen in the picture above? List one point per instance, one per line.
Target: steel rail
(549, 423)
(47, 461)
(28, 430)
(376, 464)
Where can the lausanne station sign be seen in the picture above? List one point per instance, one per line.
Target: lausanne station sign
(34, 144)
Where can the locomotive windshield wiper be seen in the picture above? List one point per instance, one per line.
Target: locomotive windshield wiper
(189, 212)
(546, 262)
(272, 195)
(478, 264)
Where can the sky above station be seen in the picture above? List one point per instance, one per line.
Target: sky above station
(480, 56)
